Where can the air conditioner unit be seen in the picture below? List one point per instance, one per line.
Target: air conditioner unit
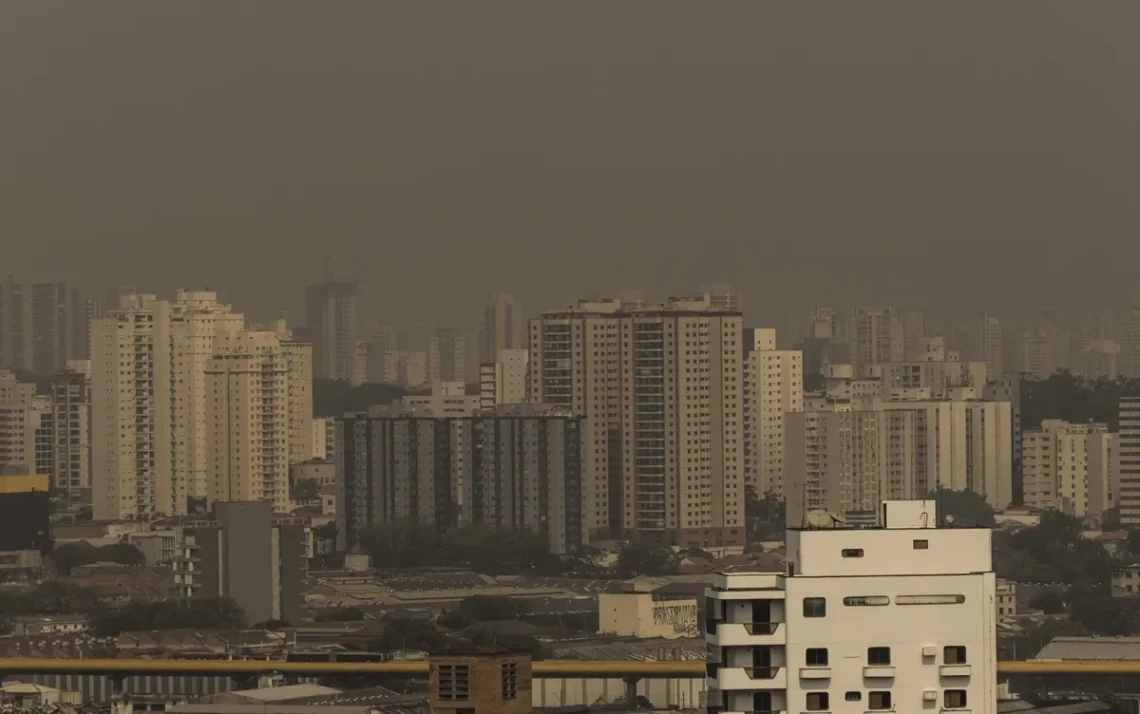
(929, 651)
(930, 695)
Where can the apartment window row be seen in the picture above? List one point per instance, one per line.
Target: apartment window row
(881, 700)
(881, 656)
(817, 606)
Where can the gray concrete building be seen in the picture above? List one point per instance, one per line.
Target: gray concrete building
(513, 467)
(246, 554)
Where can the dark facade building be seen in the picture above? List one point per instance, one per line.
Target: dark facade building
(42, 326)
(246, 554)
(516, 466)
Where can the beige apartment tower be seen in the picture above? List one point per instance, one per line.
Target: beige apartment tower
(661, 390)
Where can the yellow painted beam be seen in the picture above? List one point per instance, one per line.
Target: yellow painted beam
(545, 668)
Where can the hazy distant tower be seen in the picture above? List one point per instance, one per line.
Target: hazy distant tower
(504, 327)
(330, 309)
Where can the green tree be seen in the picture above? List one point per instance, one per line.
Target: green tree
(641, 558)
(964, 507)
(1051, 602)
(484, 608)
(333, 398)
(765, 518)
(199, 613)
(412, 635)
(306, 489)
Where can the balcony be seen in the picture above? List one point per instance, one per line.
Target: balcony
(747, 678)
(815, 672)
(879, 672)
(732, 634)
(954, 670)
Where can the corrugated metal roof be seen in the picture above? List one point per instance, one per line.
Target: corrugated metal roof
(1116, 649)
(291, 691)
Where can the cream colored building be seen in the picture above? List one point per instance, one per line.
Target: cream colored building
(661, 390)
(504, 381)
(844, 456)
(773, 386)
(647, 615)
(447, 399)
(248, 424)
(25, 427)
(152, 407)
(1070, 467)
(878, 336)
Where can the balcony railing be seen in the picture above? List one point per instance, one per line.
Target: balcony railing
(761, 628)
(762, 672)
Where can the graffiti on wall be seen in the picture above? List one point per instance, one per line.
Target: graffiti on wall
(680, 616)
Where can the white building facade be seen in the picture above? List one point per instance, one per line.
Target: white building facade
(773, 387)
(898, 617)
(1070, 467)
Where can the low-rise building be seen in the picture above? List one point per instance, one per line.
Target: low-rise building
(647, 615)
(480, 683)
(1005, 599)
(34, 625)
(1126, 581)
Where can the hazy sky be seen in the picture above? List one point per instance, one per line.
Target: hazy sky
(917, 153)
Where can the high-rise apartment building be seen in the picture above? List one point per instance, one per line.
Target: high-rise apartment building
(153, 410)
(71, 430)
(504, 328)
(243, 552)
(913, 326)
(25, 427)
(250, 423)
(42, 326)
(1070, 467)
(721, 296)
(661, 390)
(986, 342)
(773, 386)
(504, 381)
(845, 455)
(515, 467)
(447, 356)
(897, 617)
(1129, 494)
(330, 309)
(878, 336)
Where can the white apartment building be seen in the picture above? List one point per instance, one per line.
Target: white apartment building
(504, 381)
(1070, 467)
(661, 390)
(248, 423)
(844, 456)
(898, 617)
(25, 427)
(773, 386)
(446, 399)
(151, 405)
(1129, 494)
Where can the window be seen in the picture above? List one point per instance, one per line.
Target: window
(954, 699)
(510, 680)
(853, 696)
(817, 702)
(852, 552)
(454, 681)
(816, 657)
(879, 700)
(930, 599)
(921, 545)
(878, 656)
(866, 600)
(954, 655)
(815, 607)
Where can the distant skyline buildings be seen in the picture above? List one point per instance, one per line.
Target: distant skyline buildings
(331, 325)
